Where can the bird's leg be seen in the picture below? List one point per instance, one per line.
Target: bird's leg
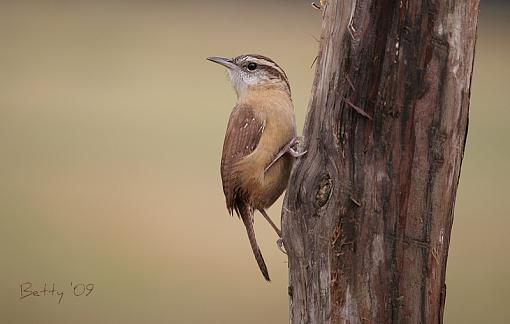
(270, 221)
(290, 148)
(279, 242)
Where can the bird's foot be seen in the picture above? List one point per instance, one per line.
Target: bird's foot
(280, 245)
(292, 148)
(279, 242)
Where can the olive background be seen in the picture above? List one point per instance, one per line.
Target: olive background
(111, 128)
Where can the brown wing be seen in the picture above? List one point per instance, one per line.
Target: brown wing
(243, 134)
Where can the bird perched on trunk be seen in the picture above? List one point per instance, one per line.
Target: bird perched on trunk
(260, 141)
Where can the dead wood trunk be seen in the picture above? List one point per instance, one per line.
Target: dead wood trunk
(369, 210)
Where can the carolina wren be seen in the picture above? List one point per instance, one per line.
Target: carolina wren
(260, 141)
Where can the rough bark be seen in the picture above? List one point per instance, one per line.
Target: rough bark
(369, 210)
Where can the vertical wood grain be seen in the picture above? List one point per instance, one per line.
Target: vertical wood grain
(369, 209)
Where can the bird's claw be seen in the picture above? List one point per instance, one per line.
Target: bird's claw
(295, 153)
(280, 245)
(292, 148)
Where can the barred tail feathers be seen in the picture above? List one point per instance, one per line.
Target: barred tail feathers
(247, 216)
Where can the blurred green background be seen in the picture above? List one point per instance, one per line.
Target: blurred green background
(111, 127)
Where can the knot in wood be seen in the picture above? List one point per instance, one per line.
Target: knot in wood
(324, 191)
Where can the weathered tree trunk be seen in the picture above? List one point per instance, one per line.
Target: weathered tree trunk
(369, 210)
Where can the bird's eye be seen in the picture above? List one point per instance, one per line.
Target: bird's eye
(251, 66)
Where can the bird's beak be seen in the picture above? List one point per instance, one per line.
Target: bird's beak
(226, 62)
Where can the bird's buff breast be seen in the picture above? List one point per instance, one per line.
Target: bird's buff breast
(275, 182)
(264, 187)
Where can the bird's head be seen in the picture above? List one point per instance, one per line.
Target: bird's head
(252, 71)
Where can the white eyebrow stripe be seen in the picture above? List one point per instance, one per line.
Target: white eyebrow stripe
(267, 63)
(264, 62)
(261, 61)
